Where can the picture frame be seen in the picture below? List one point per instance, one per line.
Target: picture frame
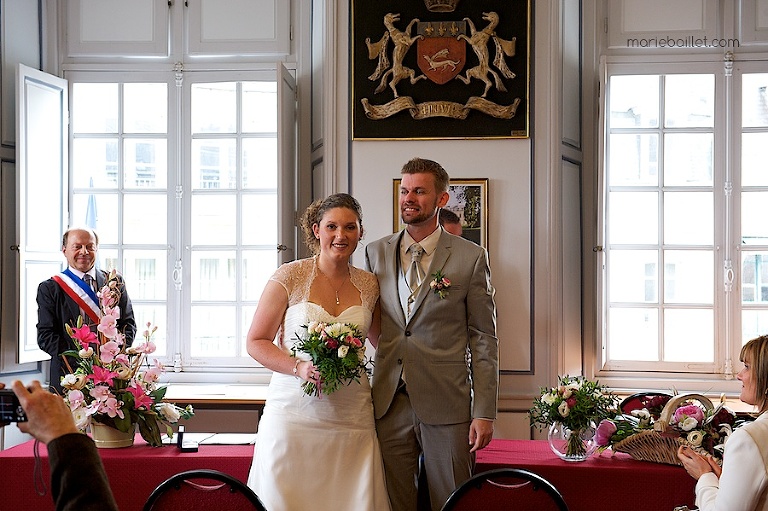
(468, 200)
(440, 69)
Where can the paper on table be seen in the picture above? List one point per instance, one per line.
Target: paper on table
(231, 439)
(214, 438)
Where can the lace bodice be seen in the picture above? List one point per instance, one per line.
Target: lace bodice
(297, 277)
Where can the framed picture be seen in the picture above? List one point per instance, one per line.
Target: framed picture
(437, 69)
(468, 202)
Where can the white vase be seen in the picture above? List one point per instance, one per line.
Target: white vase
(107, 437)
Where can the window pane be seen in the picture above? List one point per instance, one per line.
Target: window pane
(634, 101)
(259, 107)
(213, 331)
(753, 159)
(634, 159)
(754, 323)
(258, 266)
(260, 163)
(214, 164)
(260, 219)
(689, 276)
(95, 162)
(634, 218)
(247, 317)
(214, 219)
(754, 277)
(146, 163)
(145, 108)
(688, 218)
(147, 273)
(689, 101)
(97, 211)
(94, 108)
(145, 219)
(633, 276)
(754, 102)
(214, 107)
(754, 228)
(158, 317)
(213, 276)
(688, 159)
(633, 334)
(689, 335)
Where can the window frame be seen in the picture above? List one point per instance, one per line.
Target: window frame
(726, 302)
(181, 365)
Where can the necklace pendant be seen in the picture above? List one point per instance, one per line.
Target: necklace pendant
(337, 298)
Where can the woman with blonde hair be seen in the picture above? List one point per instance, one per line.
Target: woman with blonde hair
(742, 482)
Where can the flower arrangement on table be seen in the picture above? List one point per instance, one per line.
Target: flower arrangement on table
(337, 350)
(653, 434)
(108, 385)
(578, 404)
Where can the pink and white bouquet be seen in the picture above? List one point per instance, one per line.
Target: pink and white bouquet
(338, 352)
(114, 384)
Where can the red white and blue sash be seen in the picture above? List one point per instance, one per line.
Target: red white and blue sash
(80, 292)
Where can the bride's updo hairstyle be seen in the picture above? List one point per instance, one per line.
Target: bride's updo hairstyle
(756, 353)
(315, 212)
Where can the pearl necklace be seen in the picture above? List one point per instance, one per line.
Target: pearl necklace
(335, 290)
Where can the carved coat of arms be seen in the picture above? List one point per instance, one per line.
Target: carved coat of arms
(441, 49)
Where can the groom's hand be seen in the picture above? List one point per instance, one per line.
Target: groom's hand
(480, 433)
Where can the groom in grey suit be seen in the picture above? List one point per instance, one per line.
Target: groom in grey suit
(435, 383)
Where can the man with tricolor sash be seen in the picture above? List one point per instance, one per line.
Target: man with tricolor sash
(72, 293)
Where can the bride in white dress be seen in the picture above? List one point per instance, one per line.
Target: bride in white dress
(317, 453)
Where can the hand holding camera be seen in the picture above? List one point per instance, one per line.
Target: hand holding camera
(38, 412)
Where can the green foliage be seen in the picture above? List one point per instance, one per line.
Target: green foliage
(575, 402)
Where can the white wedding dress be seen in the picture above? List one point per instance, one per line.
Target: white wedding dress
(316, 454)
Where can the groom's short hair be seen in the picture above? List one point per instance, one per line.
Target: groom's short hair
(424, 166)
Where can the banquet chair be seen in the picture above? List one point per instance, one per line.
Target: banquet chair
(506, 489)
(203, 490)
(643, 400)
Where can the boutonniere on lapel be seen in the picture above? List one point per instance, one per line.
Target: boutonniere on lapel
(440, 284)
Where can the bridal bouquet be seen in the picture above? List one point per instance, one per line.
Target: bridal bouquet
(112, 383)
(338, 352)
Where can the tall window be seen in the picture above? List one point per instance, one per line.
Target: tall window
(684, 277)
(180, 183)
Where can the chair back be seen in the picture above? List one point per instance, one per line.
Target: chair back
(203, 490)
(513, 489)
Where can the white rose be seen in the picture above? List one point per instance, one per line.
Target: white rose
(548, 399)
(81, 418)
(169, 411)
(343, 350)
(688, 424)
(563, 409)
(85, 353)
(695, 437)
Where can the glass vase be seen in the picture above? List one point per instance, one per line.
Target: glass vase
(572, 445)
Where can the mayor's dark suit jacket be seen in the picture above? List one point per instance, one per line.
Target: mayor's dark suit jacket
(55, 309)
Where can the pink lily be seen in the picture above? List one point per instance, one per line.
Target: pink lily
(140, 399)
(101, 375)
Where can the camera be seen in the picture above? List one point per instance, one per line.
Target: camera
(10, 409)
